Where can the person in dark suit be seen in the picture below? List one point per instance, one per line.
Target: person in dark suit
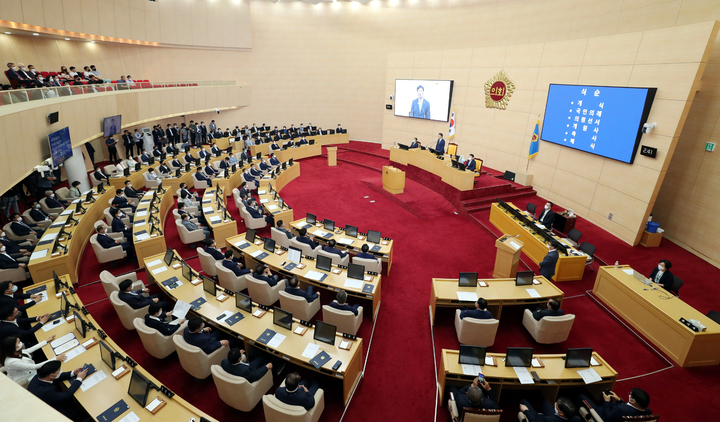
(164, 170)
(303, 238)
(238, 364)
(471, 164)
(117, 224)
(255, 172)
(232, 264)
(263, 165)
(330, 248)
(100, 175)
(210, 171)
(210, 249)
(13, 324)
(157, 152)
(547, 265)
(200, 176)
(196, 334)
(553, 309)
(10, 297)
(274, 161)
(225, 164)
(175, 162)
(145, 157)
(44, 386)
(613, 408)
(562, 410)
(293, 288)
(203, 132)
(128, 143)
(108, 242)
(281, 227)
(170, 134)
(20, 251)
(131, 192)
(661, 274)
(37, 213)
(479, 312)
(51, 200)
(214, 149)
(297, 392)
(120, 201)
(420, 107)
(254, 213)
(247, 177)
(547, 216)
(414, 144)
(477, 395)
(340, 303)
(136, 300)
(156, 319)
(274, 146)
(20, 228)
(262, 272)
(202, 153)
(440, 145)
(365, 252)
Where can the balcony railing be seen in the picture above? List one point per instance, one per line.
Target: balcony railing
(23, 95)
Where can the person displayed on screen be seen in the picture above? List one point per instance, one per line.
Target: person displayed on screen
(420, 108)
(113, 127)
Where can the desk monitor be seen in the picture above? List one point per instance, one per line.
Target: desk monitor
(58, 283)
(472, 355)
(294, 255)
(329, 225)
(244, 302)
(468, 280)
(139, 388)
(107, 355)
(250, 235)
(524, 278)
(187, 167)
(351, 231)
(89, 196)
(64, 305)
(126, 172)
(290, 162)
(169, 256)
(356, 271)
(461, 166)
(639, 276)
(310, 218)
(578, 358)
(323, 263)
(373, 236)
(80, 324)
(234, 168)
(258, 155)
(284, 166)
(454, 163)
(209, 285)
(187, 271)
(324, 332)
(403, 147)
(282, 318)
(519, 356)
(138, 166)
(281, 203)
(269, 245)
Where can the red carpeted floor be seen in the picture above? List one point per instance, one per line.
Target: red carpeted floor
(399, 382)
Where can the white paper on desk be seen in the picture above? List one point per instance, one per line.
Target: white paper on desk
(467, 296)
(39, 254)
(49, 236)
(225, 315)
(345, 241)
(264, 201)
(314, 275)
(66, 212)
(532, 292)
(541, 226)
(181, 309)
(141, 214)
(489, 360)
(154, 263)
(523, 375)
(143, 223)
(256, 253)
(593, 362)
(131, 417)
(75, 352)
(261, 192)
(65, 347)
(589, 375)
(629, 272)
(242, 244)
(62, 340)
(471, 369)
(535, 363)
(310, 351)
(43, 296)
(92, 380)
(353, 284)
(207, 209)
(155, 403)
(276, 340)
(272, 207)
(143, 236)
(319, 233)
(159, 270)
(216, 220)
(50, 326)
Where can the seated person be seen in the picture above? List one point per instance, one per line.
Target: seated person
(296, 392)
(477, 395)
(340, 303)
(613, 408)
(274, 161)
(165, 170)
(244, 199)
(100, 175)
(365, 252)
(293, 288)
(255, 172)
(121, 201)
(238, 364)
(74, 192)
(553, 309)
(51, 200)
(155, 318)
(214, 149)
(200, 176)
(330, 248)
(185, 199)
(108, 242)
(274, 145)
(263, 165)
(660, 275)
(156, 151)
(184, 188)
(189, 159)
(210, 249)
(233, 160)
(232, 264)
(262, 272)
(37, 214)
(181, 211)
(471, 164)
(210, 171)
(190, 226)
(243, 188)
(151, 175)
(135, 299)
(247, 176)
(547, 216)
(18, 359)
(117, 224)
(13, 324)
(19, 251)
(131, 192)
(255, 213)
(203, 153)
(20, 228)
(196, 334)
(302, 141)
(414, 143)
(225, 164)
(303, 238)
(145, 157)
(175, 163)
(10, 296)
(47, 387)
(562, 410)
(479, 312)
(281, 227)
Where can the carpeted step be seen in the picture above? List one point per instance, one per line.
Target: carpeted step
(484, 204)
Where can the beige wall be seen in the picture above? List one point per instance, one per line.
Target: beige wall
(195, 23)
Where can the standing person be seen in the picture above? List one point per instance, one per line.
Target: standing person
(112, 149)
(184, 134)
(548, 264)
(203, 132)
(420, 107)
(128, 143)
(213, 126)
(138, 140)
(191, 133)
(10, 201)
(440, 145)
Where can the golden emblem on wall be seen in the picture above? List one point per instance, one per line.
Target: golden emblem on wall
(498, 91)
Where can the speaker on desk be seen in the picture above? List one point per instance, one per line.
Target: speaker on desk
(509, 175)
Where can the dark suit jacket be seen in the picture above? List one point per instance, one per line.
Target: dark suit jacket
(12, 247)
(269, 280)
(461, 400)
(6, 300)
(20, 229)
(210, 171)
(413, 145)
(300, 292)
(132, 193)
(538, 315)
(234, 267)
(164, 169)
(547, 265)
(253, 212)
(243, 370)
(38, 215)
(8, 329)
(164, 327)
(214, 253)
(128, 141)
(440, 146)
(100, 176)
(547, 219)
(205, 341)
(106, 241)
(363, 255)
(59, 400)
(135, 299)
(666, 279)
(472, 165)
(202, 154)
(613, 411)
(297, 398)
(200, 176)
(53, 203)
(335, 251)
(475, 313)
(224, 164)
(275, 146)
(274, 161)
(121, 201)
(286, 231)
(119, 227)
(306, 240)
(345, 307)
(145, 158)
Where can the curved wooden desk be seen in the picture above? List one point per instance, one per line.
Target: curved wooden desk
(155, 243)
(298, 153)
(459, 179)
(322, 140)
(212, 209)
(286, 176)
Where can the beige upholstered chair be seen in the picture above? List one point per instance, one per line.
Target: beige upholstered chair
(370, 264)
(63, 194)
(156, 344)
(476, 332)
(250, 222)
(32, 222)
(299, 307)
(14, 274)
(548, 330)
(125, 312)
(345, 321)
(277, 411)
(110, 282)
(336, 260)
(200, 184)
(52, 211)
(110, 169)
(188, 237)
(150, 183)
(227, 279)
(305, 248)
(126, 210)
(108, 218)
(587, 413)
(236, 392)
(194, 361)
(207, 262)
(279, 237)
(261, 292)
(473, 415)
(107, 255)
(11, 234)
(177, 215)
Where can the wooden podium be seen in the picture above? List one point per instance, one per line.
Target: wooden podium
(332, 156)
(507, 256)
(393, 180)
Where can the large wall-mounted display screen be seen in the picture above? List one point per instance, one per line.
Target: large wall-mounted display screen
(423, 99)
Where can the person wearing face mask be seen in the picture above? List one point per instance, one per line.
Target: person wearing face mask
(156, 319)
(18, 360)
(12, 323)
(151, 175)
(547, 216)
(51, 200)
(20, 228)
(11, 297)
(100, 175)
(12, 75)
(44, 386)
(238, 364)
(74, 191)
(613, 408)
(20, 251)
(39, 216)
(553, 309)
(131, 192)
(117, 224)
(26, 79)
(120, 201)
(662, 275)
(562, 410)
(547, 265)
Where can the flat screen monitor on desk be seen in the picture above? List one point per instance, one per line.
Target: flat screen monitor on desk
(282, 318)
(454, 163)
(472, 355)
(524, 278)
(80, 325)
(461, 167)
(356, 271)
(325, 332)
(64, 305)
(323, 263)
(107, 355)
(373, 236)
(169, 255)
(139, 388)
(519, 356)
(187, 271)
(250, 235)
(578, 358)
(269, 245)
(468, 279)
(403, 147)
(294, 255)
(329, 224)
(209, 285)
(351, 231)
(243, 302)
(310, 218)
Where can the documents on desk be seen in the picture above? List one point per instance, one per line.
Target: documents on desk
(589, 375)
(181, 309)
(75, 352)
(272, 207)
(629, 272)
(264, 201)
(50, 326)
(533, 292)
(223, 316)
(354, 284)
(310, 350)
(256, 253)
(155, 403)
(65, 347)
(276, 340)
(92, 380)
(154, 263)
(159, 270)
(467, 296)
(536, 363)
(471, 369)
(319, 233)
(39, 254)
(141, 214)
(208, 209)
(344, 241)
(312, 275)
(261, 192)
(62, 340)
(143, 236)
(216, 220)
(131, 417)
(523, 375)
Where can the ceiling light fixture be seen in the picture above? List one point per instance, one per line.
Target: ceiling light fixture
(67, 39)
(7, 33)
(35, 33)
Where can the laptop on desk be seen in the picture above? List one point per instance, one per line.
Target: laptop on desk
(641, 277)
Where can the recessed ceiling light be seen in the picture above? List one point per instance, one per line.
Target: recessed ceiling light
(67, 39)
(7, 33)
(35, 33)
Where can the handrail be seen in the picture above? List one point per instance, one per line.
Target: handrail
(22, 95)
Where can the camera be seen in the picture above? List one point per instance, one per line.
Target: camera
(647, 127)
